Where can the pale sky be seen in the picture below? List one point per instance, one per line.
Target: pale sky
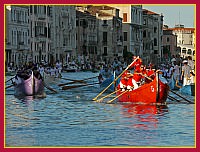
(175, 14)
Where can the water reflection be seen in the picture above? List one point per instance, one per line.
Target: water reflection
(144, 116)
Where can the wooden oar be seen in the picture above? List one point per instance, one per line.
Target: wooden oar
(172, 98)
(115, 79)
(9, 86)
(117, 96)
(99, 100)
(77, 86)
(10, 79)
(51, 89)
(182, 97)
(75, 81)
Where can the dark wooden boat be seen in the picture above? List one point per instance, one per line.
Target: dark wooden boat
(153, 92)
(29, 86)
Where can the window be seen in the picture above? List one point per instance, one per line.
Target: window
(124, 17)
(144, 22)
(105, 36)
(105, 51)
(155, 29)
(155, 42)
(144, 33)
(125, 36)
(167, 39)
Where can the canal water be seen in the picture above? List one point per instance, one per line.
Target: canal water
(71, 118)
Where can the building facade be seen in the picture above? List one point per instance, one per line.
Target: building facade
(63, 31)
(169, 41)
(17, 34)
(40, 32)
(185, 40)
(103, 30)
(152, 37)
(132, 28)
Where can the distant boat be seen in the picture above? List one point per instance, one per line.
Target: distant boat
(188, 90)
(70, 67)
(29, 86)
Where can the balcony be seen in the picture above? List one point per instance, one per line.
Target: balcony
(41, 16)
(92, 42)
(20, 46)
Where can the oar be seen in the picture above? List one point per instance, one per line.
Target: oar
(77, 86)
(99, 100)
(51, 89)
(75, 81)
(144, 76)
(115, 79)
(9, 86)
(117, 96)
(172, 98)
(10, 79)
(182, 97)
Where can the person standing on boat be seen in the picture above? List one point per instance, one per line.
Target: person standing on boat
(176, 73)
(52, 71)
(59, 67)
(41, 70)
(185, 73)
(190, 62)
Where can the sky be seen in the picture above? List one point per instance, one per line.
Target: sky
(175, 14)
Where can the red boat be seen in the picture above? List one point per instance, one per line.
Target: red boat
(153, 92)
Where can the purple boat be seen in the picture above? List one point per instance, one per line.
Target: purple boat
(29, 86)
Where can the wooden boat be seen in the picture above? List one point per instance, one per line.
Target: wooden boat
(188, 90)
(106, 82)
(153, 92)
(28, 87)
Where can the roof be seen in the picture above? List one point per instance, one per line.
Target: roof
(148, 12)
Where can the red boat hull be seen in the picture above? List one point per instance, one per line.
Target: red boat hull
(152, 92)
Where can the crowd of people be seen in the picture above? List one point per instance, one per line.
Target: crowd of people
(39, 70)
(182, 72)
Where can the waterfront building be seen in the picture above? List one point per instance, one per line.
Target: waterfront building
(40, 32)
(132, 28)
(169, 41)
(108, 32)
(86, 35)
(152, 36)
(185, 40)
(17, 34)
(63, 31)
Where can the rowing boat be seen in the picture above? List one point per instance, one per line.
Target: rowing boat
(153, 92)
(106, 82)
(29, 86)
